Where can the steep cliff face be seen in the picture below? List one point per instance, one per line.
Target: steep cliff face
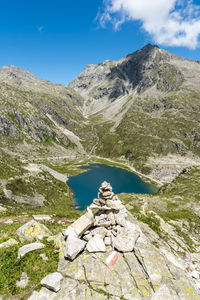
(140, 70)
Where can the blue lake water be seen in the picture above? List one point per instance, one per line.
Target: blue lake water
(85, 186)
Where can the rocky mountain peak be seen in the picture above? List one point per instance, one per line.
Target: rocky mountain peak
(138, 72)
(13, 72)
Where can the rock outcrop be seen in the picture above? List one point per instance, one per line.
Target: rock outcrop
(33, 230)
(115, 259)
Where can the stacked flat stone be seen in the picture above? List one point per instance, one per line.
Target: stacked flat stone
(103, 227)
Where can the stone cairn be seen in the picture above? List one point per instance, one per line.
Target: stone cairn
(103, 227)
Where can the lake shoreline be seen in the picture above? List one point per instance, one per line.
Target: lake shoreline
(123, 180)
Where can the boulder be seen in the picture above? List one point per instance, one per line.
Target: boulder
(52, 281)
(96, 244)
(9, 243)
(29, 248)
(81, 225)
(125, 240)
(73, 247)
(33, 230)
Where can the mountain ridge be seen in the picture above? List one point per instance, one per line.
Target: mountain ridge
(140, 113)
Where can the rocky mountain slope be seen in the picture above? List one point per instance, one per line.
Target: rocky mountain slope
(139, 112)
(149, 103)
(37, 112)
(105, 254)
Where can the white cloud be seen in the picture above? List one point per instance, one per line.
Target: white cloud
(169, 22)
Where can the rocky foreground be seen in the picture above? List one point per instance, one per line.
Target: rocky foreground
(108, 254)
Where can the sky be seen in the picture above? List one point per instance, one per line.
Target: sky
(56, 39)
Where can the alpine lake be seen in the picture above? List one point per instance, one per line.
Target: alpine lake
(85, 186)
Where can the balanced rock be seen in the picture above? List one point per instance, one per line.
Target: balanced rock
(73, 247)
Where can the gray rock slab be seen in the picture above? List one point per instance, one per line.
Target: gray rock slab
(125, 240)
(73, 247)
(96, 244)
(29, 248)
(52, 281)
(81, 225)
(162, 293)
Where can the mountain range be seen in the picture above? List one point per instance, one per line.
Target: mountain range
(140, 113)
(143, 108)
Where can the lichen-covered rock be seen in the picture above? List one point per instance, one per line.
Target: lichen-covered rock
(33, 230)
(164, 293)
(125, 240)
(59, 243)
(52, 281)
(9, 243)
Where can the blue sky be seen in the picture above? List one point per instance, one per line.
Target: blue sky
(56, 39)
